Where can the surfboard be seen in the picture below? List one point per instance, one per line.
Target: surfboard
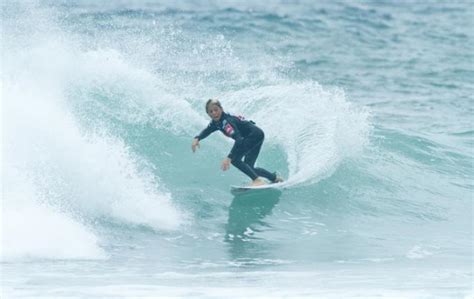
(237, 190)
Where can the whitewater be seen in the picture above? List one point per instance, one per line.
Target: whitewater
(367, 111)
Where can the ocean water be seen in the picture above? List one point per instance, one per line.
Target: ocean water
(367, 109)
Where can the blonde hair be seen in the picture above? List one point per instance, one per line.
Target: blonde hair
(213, 102)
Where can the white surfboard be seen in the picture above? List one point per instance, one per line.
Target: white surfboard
(236, 190)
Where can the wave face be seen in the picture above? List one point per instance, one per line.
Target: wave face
(366, 110)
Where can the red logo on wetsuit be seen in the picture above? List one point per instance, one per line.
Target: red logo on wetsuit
(229, 130)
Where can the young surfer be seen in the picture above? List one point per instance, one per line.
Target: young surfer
(248, 141)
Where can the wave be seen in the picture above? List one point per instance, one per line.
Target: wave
(69, 176)
(73, 134)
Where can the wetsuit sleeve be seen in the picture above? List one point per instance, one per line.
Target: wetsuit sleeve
(207, 131)
(237, 136)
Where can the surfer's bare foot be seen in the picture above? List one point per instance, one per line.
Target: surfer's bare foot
(257, 182)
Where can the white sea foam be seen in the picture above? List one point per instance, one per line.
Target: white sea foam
(68, 176)
(32, 228)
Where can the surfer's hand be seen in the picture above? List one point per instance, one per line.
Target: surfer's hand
(225, 164)
(195, 144)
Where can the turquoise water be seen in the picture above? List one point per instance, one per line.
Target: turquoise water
(367, 109)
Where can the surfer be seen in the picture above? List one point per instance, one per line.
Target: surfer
(248, 141)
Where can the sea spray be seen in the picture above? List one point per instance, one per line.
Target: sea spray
(315, 127)
(70, 176)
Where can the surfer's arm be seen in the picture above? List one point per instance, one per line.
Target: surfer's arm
(195, 144)
(206, 132)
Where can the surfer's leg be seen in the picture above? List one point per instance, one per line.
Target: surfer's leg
(252, 155)
(250, 158)
(253, 144)
(244, 167)
(266, 174)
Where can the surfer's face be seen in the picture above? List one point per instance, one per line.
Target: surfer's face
(214, 112)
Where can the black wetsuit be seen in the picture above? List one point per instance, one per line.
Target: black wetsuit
(248, 141)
